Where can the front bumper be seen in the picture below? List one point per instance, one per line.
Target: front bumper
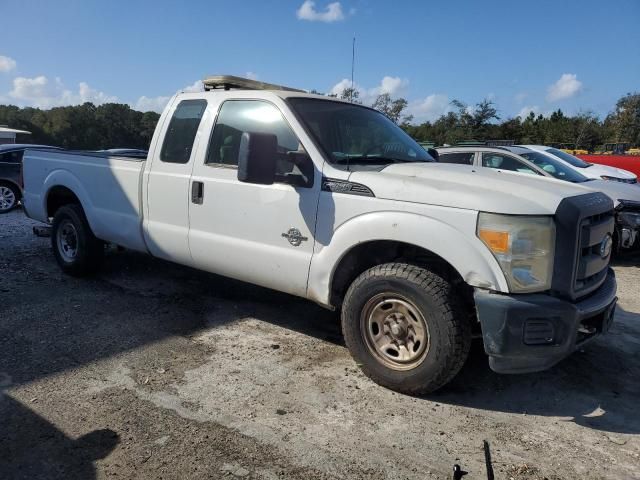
(531, 332)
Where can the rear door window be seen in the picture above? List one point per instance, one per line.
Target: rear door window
(179, 137)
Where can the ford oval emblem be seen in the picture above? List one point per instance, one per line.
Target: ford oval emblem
(606, 245)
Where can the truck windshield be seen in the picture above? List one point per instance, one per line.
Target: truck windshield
(353, 136)
(554, 167)
(567, 157)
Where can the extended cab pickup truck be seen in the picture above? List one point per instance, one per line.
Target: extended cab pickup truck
(333, 202)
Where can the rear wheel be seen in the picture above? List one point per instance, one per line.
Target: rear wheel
(9, 196)
(406, 328)
(75, 247)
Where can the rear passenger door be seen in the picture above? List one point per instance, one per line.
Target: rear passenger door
(167, 219)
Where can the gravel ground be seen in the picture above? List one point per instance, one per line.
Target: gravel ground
(152, 370)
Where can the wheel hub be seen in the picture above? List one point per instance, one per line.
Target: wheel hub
(67, 239)
(395, 331)
(398, 327)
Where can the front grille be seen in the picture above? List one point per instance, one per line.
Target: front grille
(582, 223)
(592, 266)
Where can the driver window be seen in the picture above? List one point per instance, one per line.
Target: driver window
(505, 162)
(256, 116)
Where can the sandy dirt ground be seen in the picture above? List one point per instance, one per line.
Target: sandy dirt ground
(152, 370)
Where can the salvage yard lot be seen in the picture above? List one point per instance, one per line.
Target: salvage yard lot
(152, 370)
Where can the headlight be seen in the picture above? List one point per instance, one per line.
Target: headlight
(618, 179)
(524, 247)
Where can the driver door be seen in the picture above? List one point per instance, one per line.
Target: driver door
(263, 234)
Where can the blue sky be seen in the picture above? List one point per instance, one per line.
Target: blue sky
(543, 55)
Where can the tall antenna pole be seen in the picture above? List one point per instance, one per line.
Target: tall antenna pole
(353, 61)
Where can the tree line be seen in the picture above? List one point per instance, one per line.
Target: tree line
(482, 122)
(83, 127)
(583, 130)
(114, 125)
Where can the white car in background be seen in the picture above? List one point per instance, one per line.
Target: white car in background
(589, 170)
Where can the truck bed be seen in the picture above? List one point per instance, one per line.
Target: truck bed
(109, 188)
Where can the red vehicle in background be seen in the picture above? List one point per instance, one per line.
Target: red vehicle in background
(618, 155)
(626, 162)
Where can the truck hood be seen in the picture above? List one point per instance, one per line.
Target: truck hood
(616, 190)
(468, 187)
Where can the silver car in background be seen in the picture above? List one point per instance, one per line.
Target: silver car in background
(626, 196)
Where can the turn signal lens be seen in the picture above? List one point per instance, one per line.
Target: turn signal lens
(498, 242)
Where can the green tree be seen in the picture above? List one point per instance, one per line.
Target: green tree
(623, 124)
(351, 94)
(393, 108)
(83, 127)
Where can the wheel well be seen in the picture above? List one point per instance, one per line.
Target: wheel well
(58, 197)
(13, 185)
(369, 254)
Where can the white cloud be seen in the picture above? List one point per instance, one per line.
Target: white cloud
(566, 86)
(196, 86)
(251, 76)
(394, 86)
(339, 87)
(332, 13)
(429, 108)
(391, 85)
(157, 104)
(150, 104)
(526, 110)
(7, 64)
(41, 92)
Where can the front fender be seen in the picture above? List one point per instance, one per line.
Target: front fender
(458, 246)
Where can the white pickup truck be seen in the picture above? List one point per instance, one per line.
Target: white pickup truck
(333, 202)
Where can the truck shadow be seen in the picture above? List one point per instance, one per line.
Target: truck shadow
(31, 447)
(597, 387)
(138, 300)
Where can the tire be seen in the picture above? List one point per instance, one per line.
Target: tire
(9, 196)
(77, 250)
(405, 326)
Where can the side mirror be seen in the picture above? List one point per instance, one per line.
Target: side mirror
(257, 158)
(434, 153)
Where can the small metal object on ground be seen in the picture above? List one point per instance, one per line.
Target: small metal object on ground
(458, 473)
(42, 231)
(487, 460)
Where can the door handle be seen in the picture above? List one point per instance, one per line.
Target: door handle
(197, 192)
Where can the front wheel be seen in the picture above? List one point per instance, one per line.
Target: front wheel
(75, 247)
(406, 328)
